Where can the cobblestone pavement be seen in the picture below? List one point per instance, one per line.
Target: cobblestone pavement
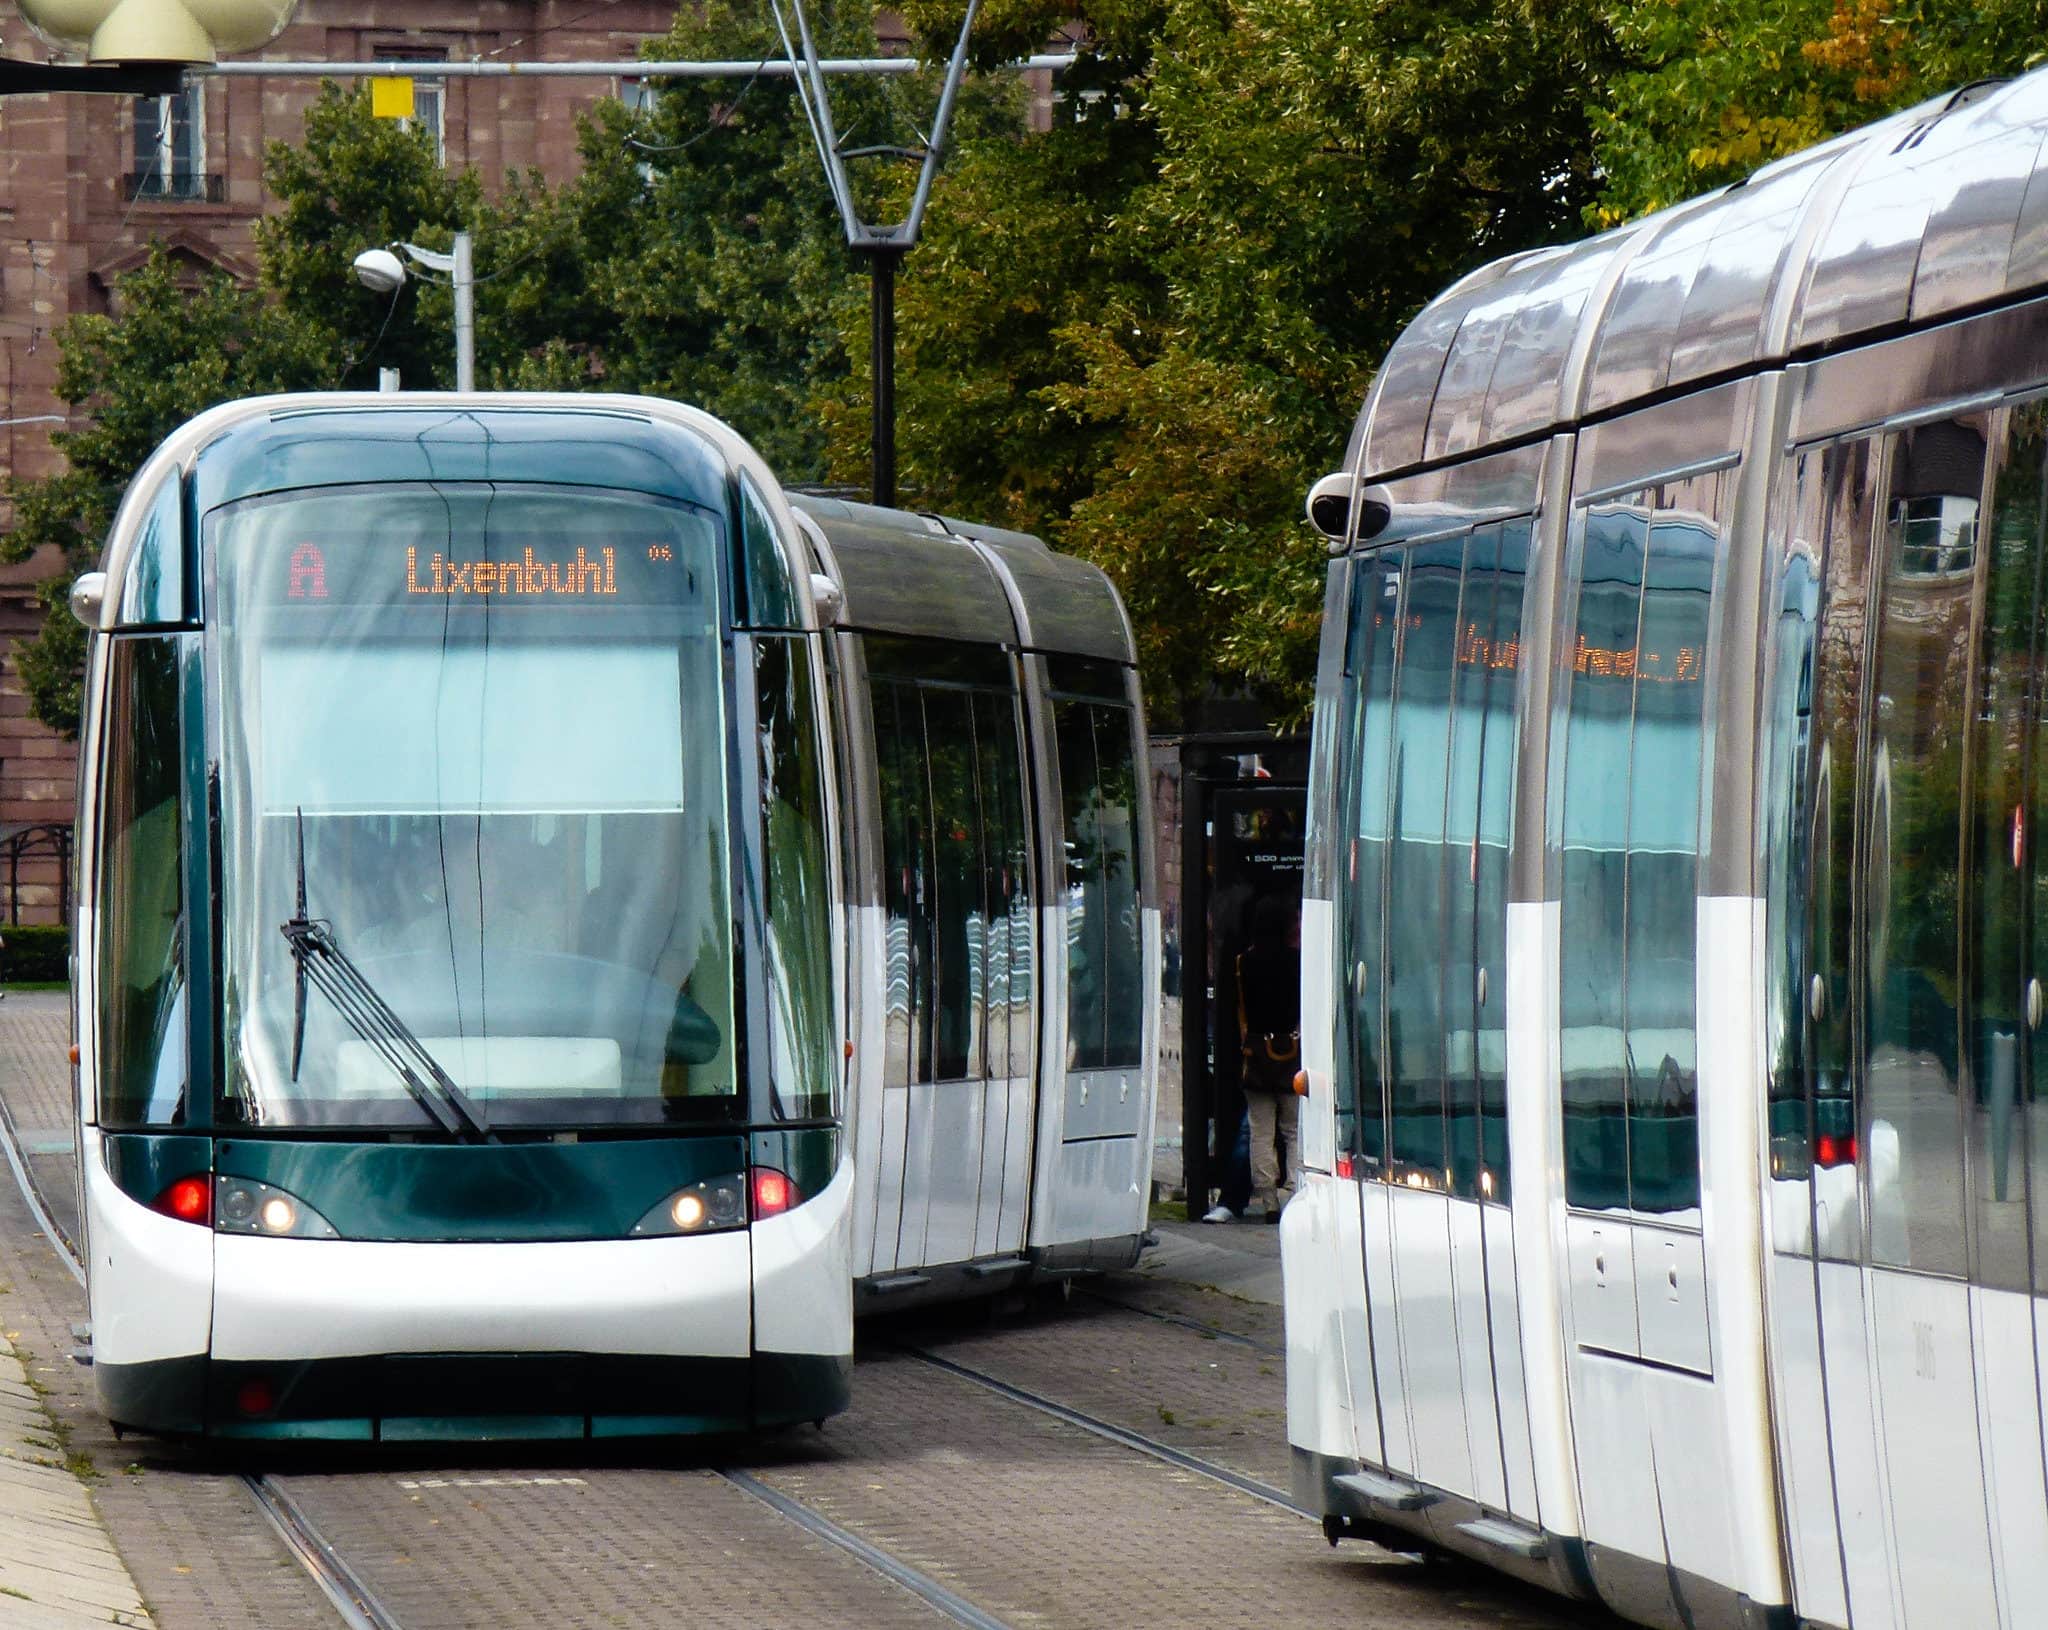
(1036, 1522)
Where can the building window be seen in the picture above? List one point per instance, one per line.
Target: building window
(170, 147)
(429, 96)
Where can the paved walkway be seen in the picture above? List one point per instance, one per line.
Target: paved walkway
(58, 1567)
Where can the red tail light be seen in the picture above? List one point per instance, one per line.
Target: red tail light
(1343, 1165)
(255, 1397)
(773, 1193)
(190, 1199)
(1830, 1150)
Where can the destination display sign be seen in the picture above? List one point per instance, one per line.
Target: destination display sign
(530, 572)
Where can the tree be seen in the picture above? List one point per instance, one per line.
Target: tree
(1145, 332)
(175, 349)
(178, 345)
(1715, 90)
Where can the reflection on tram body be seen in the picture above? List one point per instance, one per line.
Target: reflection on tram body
(1733, 1317)
(525, 1068)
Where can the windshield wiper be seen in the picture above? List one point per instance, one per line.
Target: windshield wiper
(319, 959)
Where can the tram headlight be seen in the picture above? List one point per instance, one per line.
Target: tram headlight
(241, 1205)
(709, 1207)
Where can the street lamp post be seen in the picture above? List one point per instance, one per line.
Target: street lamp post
(381, 271)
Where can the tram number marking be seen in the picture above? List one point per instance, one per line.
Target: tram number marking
(492, 1482)
(1923, 1350)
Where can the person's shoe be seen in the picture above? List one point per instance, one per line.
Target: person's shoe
(1219, 1214)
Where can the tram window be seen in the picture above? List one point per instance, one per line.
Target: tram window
(1371, 643)
(771, 603)
(1416, 925)
(1787, 824)
(803, 1067)
(1849, 477)
(1630, 826)
(141, 891)
(1495, 651)
(1913, 776)
(154, 590)
(1995, 886)
(1105, 980)
(1088, 676)
(487, 725)
(958, 909)
(1663, 851)
(956, 888)
(1007, 855)
(2019, 486)
(906, 870)
(1459, 859)
(1593, 909)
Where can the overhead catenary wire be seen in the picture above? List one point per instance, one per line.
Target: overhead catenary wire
(631, 68)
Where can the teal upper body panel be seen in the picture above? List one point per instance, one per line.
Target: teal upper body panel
(294, 448)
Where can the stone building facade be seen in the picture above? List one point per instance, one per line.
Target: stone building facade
(88, 182)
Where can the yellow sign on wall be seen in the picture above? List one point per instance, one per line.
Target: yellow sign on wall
(391, 98)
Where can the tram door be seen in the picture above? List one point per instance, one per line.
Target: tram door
(1910, 1147)
(960, 1007)
(1633, 745)
(1432, 654)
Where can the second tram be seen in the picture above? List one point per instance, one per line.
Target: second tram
(552, 914)
(1674, 1226)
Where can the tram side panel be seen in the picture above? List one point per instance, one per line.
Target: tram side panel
(151, 1278)
(1102, 933)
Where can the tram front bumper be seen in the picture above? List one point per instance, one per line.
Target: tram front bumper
(401, 1341)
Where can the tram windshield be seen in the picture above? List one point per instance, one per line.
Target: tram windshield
(472, 749)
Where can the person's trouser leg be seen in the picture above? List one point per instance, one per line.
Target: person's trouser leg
(1286, 1123)
(1234, 1183)
(1263, 1108)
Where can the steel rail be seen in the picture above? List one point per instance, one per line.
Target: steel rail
(1217, 1332)
(10, 1143)
(921, 1585)
(358, 1607)
(1121, 1435)
(339, 1583)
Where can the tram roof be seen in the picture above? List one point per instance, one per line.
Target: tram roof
(315, 443)
(1934, 211)
(908, 572)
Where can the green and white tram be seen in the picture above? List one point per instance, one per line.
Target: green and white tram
(466, 1015)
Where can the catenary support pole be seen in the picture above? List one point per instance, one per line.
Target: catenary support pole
(882, 373)
(465, 315)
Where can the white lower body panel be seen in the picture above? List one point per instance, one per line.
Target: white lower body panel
(151, 1277)
(306, 1299)
(803, 1274)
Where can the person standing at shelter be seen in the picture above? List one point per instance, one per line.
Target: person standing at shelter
(1269, 1035)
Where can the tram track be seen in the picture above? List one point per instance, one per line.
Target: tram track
(1214, 1332)
(920, 1584)
(1123, 1436)
(358, 1607)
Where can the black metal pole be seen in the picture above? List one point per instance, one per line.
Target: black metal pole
(882, 372)
(1195, 1080)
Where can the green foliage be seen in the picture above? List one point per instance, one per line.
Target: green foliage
(1715, 89)
(34, 954)
(1141, 332)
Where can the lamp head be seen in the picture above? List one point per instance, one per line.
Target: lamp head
(380, 271)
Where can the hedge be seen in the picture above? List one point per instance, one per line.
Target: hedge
(34, 953)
